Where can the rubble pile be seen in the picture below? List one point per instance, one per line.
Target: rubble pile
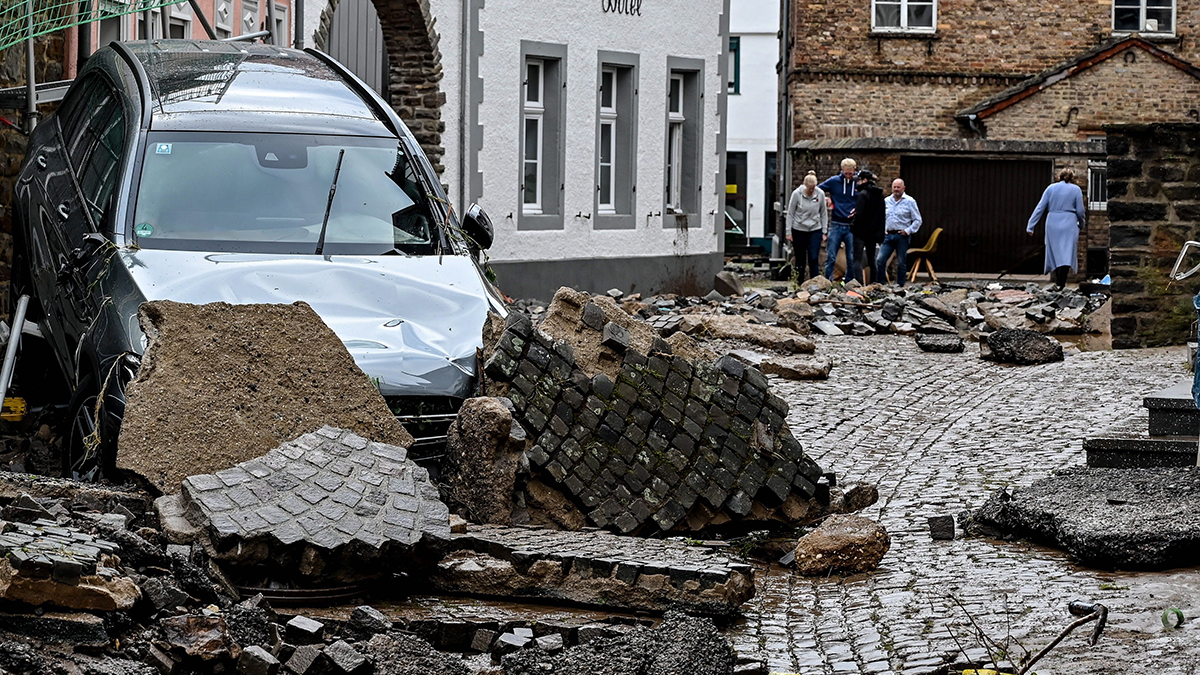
(220, 384)
(329, 506)
(640, 438)
(595, 568)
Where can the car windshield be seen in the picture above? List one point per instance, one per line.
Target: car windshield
(267, 193)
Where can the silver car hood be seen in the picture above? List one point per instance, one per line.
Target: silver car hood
(412, 322)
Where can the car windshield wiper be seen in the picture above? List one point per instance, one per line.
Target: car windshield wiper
(337, 171)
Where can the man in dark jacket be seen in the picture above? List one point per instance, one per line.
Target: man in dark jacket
(867, 226)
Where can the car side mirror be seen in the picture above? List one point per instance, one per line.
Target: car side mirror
(478, 227)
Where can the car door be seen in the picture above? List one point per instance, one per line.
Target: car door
(92, 134)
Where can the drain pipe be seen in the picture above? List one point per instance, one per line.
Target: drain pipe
(464, 133)
(31, 111)
(298, 10)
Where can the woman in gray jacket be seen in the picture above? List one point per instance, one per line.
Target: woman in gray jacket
(808, 223)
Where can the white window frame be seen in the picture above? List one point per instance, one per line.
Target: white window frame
(1097, 175)
(675, 122)
(534, 111)
(608, 118)
(283, 25)
(223, 18)
(1142, 20)
(904, 27)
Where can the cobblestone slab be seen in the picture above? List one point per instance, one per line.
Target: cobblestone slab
(939, 433)
(46, 550)
(670, 444)
(595, 568)
(330, 490)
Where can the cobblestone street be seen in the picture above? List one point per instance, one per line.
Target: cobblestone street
(938, 433)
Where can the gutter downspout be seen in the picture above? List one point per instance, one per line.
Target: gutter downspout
(298, 11)
(783, 160)
(463, 131)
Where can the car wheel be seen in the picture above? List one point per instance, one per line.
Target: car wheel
(90, 439)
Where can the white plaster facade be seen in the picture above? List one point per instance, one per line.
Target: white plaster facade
(483, 124)
(753, 112)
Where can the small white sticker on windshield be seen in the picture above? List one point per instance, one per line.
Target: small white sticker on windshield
(163, 149)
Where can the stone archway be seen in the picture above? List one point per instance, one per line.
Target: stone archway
(414, 68)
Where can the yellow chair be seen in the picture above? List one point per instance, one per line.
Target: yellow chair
(923, 254)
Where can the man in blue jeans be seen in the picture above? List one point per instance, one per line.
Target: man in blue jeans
(902, 221)
(842, 190)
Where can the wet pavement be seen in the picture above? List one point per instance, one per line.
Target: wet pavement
(938, 433)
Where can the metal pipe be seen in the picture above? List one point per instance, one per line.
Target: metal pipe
(85, 34)
(298, 8)
(247, 37)
(164, 23)
(208, 29)
(271, 21)
(147, 25)
(31, 111)
(14, 341)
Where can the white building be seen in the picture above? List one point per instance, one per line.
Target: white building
(753, 110)
(591, 131)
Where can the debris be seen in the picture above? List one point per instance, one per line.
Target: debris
(346, 659)
(945, 344)
(724, 327)
(1023, 347)
(681, 644)
(77, 629)
(255, 660)
(162, 593)
(220, 384)
(368, 620)
(592, 568)
(727, 283)
(860, 496)
(843, 543)
(302, 630)
(827, 328)
(798, 367)
(479, 468)
(396, 653)
(48, 564)
(197, 636)
(941, 527)
(330, 505)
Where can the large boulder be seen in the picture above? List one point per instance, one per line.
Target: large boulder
(1022, 347)
(483, 448)
(843, 543)
(220, 384)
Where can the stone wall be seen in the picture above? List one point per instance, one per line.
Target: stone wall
(1153, 208)
(49, 67)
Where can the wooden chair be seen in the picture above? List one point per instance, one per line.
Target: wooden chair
(918, 255)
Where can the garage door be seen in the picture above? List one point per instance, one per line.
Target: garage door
(982, 206)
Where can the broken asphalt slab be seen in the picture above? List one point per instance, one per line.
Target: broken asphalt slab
(1105, 518)
(220, 384)
(328, 506)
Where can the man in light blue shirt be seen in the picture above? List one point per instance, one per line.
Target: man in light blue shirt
(902, 222)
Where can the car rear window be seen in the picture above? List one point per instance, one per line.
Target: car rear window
(267, 193)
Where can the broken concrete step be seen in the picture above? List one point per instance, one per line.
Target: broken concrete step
(1173, 411)
(594, 568)
(1129, 445)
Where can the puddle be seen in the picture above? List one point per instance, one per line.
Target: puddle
(1088, 342)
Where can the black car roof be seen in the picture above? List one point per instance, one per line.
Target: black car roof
(231, 86)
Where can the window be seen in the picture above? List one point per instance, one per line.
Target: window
(535, 110)
(735, 65)
(98, 177)
(675, 122)
(684, 142)
(904, 15)
(180, 29)
(222, 19)
(281, 26)
(541, 136)
(616, 141)
(1144, 16)
(1097, 186)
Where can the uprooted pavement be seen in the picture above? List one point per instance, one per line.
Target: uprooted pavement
(594, 427)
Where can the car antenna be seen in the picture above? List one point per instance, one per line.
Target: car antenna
(329, 204)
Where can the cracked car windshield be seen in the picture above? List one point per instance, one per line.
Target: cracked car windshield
(268, 193)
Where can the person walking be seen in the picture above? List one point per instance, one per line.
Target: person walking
(901, 222)
(841, 189)
(808, 223)
(1062, 204)
(867, 228)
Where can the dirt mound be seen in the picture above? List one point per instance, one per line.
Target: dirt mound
(221, 384)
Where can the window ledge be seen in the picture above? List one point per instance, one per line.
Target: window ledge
(1159, 38)
(901, 34)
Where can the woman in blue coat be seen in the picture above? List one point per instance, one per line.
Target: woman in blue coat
(1062, 204)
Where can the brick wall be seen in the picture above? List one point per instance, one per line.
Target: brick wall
(414, 69)
(974, 37)
(1153, 207)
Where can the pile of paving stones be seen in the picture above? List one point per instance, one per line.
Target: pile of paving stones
(669, 443)
(590, 567)
(45, 550)
(328, 506)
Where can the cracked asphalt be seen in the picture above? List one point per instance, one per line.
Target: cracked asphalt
(938, 433)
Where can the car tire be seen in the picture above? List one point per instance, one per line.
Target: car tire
(86, 455)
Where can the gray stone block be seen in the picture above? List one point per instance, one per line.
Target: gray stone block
(302, 630)
(369, 620)
(255, 660)
(346, 659)
(615, 337)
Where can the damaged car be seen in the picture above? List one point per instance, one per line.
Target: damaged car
(200, 171)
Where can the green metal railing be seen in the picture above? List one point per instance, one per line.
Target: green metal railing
(23, 19)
